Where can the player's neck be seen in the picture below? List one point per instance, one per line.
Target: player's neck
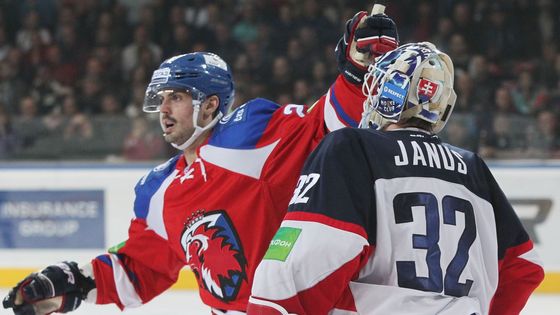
(191, 153)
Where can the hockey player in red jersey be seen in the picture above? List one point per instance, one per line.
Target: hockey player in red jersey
(410, 224)
(215, 206)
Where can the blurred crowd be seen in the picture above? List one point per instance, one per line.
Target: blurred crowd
(73, 72)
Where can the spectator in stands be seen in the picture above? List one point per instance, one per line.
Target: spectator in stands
(181, 40)
(78, 131)
(72, 47)
(464, 23)
(12, 85)
(503, 101)
(110, 105)
(459, 51)
(28, 126)
(5, 45)
(501, 141)
(301, 92)
(547, 74)
(84, 30)
(464, 88)
(110, 126)
(245, 30)
(480, 71)
(425, 21)
(528, 97)
(445, 29)
(89, 95)
(297, 60)
(281, 76)
(284, 25)
(132, 53)
(319, 80)
(47, 90)
(65, 73)
(224, 44)
(8, 138)
(32, 32)
(62, 114)
(543, 138)
(142, 142)
(500, 38)
(461, 131)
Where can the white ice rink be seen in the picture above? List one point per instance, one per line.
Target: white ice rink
(188, 303)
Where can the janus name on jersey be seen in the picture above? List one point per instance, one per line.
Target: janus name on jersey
(430, 155)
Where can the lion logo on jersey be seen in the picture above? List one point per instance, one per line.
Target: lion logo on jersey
(213, 252)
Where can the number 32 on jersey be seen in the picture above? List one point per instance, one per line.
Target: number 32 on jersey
(437, 280)
(304, 184)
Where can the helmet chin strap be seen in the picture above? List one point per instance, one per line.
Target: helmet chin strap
(198, 130)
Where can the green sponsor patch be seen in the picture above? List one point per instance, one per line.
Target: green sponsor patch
(282, 243)
(115, 249)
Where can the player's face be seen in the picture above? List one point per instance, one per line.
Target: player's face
(175, 116)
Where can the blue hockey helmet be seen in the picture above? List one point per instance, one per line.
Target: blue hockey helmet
(201, 74)
(414, 80)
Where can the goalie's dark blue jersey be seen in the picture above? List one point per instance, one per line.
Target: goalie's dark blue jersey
(412, 225)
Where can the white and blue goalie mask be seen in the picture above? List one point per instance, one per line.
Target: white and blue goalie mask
(414, 80)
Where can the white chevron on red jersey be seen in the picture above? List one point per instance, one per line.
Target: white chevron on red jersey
(218, 215)
(399, 223)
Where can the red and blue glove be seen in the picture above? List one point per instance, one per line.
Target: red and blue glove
(365, 38)
(37, 294)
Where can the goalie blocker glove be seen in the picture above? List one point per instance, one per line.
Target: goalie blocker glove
(365, 38)
(63, 280)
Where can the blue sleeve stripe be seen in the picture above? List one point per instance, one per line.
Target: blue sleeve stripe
(149, 185)
(105, 259)
(131, 275)
(340, 111)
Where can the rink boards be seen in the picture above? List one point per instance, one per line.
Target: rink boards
(54, 212)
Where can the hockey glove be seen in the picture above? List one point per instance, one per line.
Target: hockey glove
(60, 288)
(365, 38)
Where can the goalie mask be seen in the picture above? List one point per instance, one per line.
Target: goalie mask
(200, 74)
(414, 80)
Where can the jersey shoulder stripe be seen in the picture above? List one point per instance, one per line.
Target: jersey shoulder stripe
(244, 127)
(254, 159)
(345, 117)
(149, 184)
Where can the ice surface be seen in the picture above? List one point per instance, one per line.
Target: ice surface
(188, 303)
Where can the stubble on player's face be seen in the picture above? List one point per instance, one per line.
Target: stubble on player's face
(176, 117)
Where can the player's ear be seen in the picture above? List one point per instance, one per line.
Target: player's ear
(209, 108)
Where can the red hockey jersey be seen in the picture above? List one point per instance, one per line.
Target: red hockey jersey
(218, 215)
(408, 224)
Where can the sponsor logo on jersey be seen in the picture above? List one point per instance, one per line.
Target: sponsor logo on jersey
(237, 115)
(282, 243)
(115, 249)
(213, 252)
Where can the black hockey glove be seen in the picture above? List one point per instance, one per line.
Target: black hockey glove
(365, 38)
(57, 288)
